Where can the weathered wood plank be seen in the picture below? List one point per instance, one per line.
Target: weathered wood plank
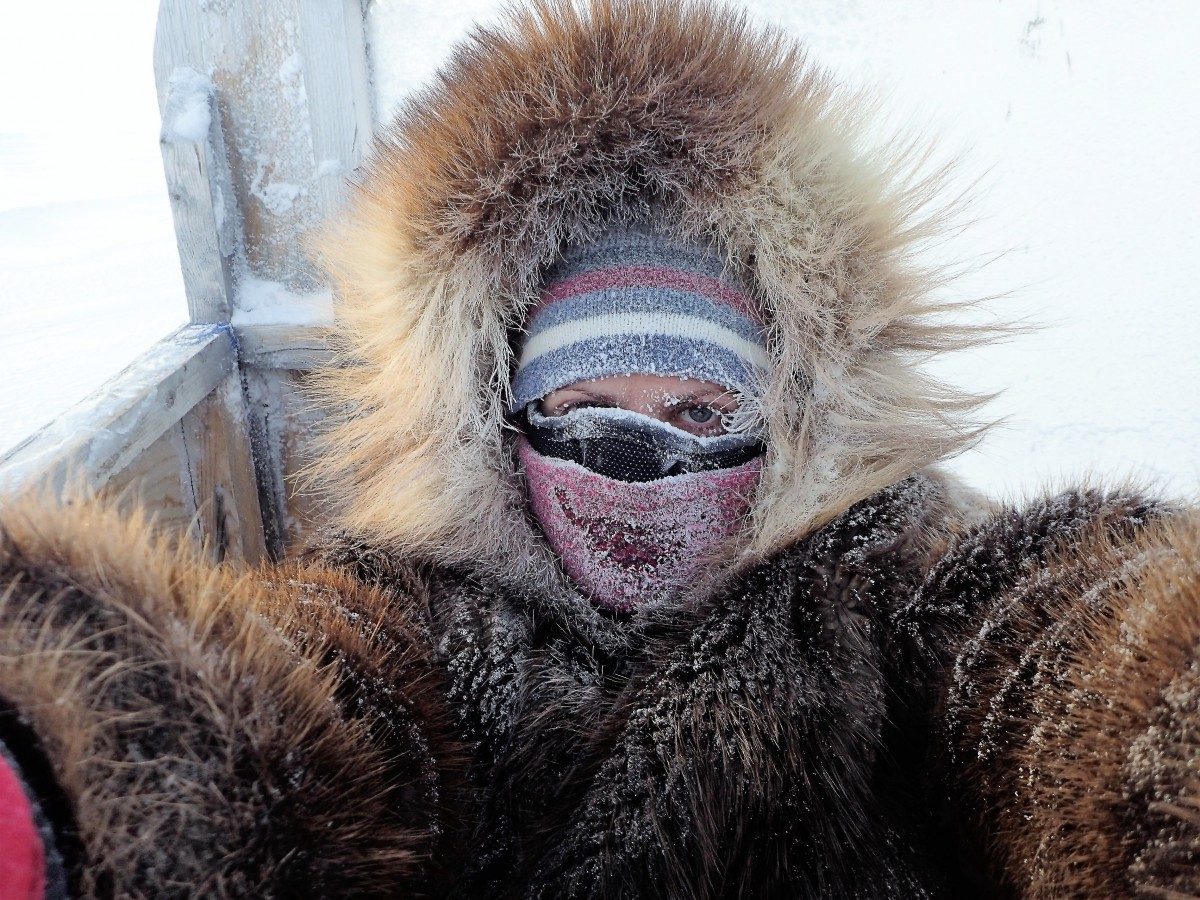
(197, 479)
(106, 432)
(267, 426)
(294, 103)
(201, 192)
(304, 512)
(283, 346)
(338, 84)
(286, 419)
(153, 483)
(266, 110)
(218, 475)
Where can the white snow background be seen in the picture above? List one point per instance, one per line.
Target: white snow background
(1080, 116)
(89, 273)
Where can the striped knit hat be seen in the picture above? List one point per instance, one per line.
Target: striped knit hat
(638, 301)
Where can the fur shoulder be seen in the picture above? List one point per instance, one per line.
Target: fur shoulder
(1071, 724)
(250, 723)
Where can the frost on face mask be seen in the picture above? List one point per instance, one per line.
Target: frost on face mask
(630, 543)
(629, 446)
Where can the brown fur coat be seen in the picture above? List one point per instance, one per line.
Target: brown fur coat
(888, 688)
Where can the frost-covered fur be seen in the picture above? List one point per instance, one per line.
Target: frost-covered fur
(537, 134)
(353, 725)
(198, 739)
(799, 736)
(733, 751)
(1072, 717)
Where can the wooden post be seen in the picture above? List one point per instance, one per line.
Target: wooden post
(217, 470)
(337, 78)
(266, 110)
(218, 475)
(201, 193)
(293, 99)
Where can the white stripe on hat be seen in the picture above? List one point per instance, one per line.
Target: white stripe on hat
(626, 324)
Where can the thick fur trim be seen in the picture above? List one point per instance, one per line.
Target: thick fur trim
(540, 133)
(194, 721)
(1072, 719)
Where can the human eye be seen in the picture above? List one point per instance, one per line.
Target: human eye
(701, 419)
(699, 415)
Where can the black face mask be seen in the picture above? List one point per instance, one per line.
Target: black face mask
(627, 446)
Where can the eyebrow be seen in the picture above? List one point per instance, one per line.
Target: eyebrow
(678, 398)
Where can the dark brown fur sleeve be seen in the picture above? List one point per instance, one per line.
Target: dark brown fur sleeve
(215, 733)
(1070, 714)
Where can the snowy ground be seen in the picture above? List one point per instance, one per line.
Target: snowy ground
(1079, 114)
(89, 273)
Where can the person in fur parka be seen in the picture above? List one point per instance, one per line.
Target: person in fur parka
(573, 635)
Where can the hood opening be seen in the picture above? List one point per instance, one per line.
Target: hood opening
(541, 132)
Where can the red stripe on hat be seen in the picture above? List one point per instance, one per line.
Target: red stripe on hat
(646, 276)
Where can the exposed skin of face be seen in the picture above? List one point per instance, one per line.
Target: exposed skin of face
(687, 403)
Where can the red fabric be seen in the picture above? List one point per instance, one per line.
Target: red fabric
(22, 865)
(628, 544)
(645, 276)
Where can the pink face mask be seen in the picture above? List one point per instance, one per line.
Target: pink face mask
(628, 544)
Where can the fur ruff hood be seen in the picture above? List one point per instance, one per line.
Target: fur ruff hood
(543, 131)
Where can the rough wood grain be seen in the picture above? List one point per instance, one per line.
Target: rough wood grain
(291, 81)
(105, 433)
(283, 346)
(218, 475)
(153, 482)
(289, 116)
(283, 419)
(337, 78)
(197, 479)
(201, 192)
(266, 110)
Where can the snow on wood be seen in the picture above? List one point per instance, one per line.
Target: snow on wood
(333, 54)
(106, 432)
(279, 329)
(266, 110)
(292, 100)
(262, 302)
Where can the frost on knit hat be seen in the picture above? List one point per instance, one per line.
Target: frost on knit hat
(636, 300)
